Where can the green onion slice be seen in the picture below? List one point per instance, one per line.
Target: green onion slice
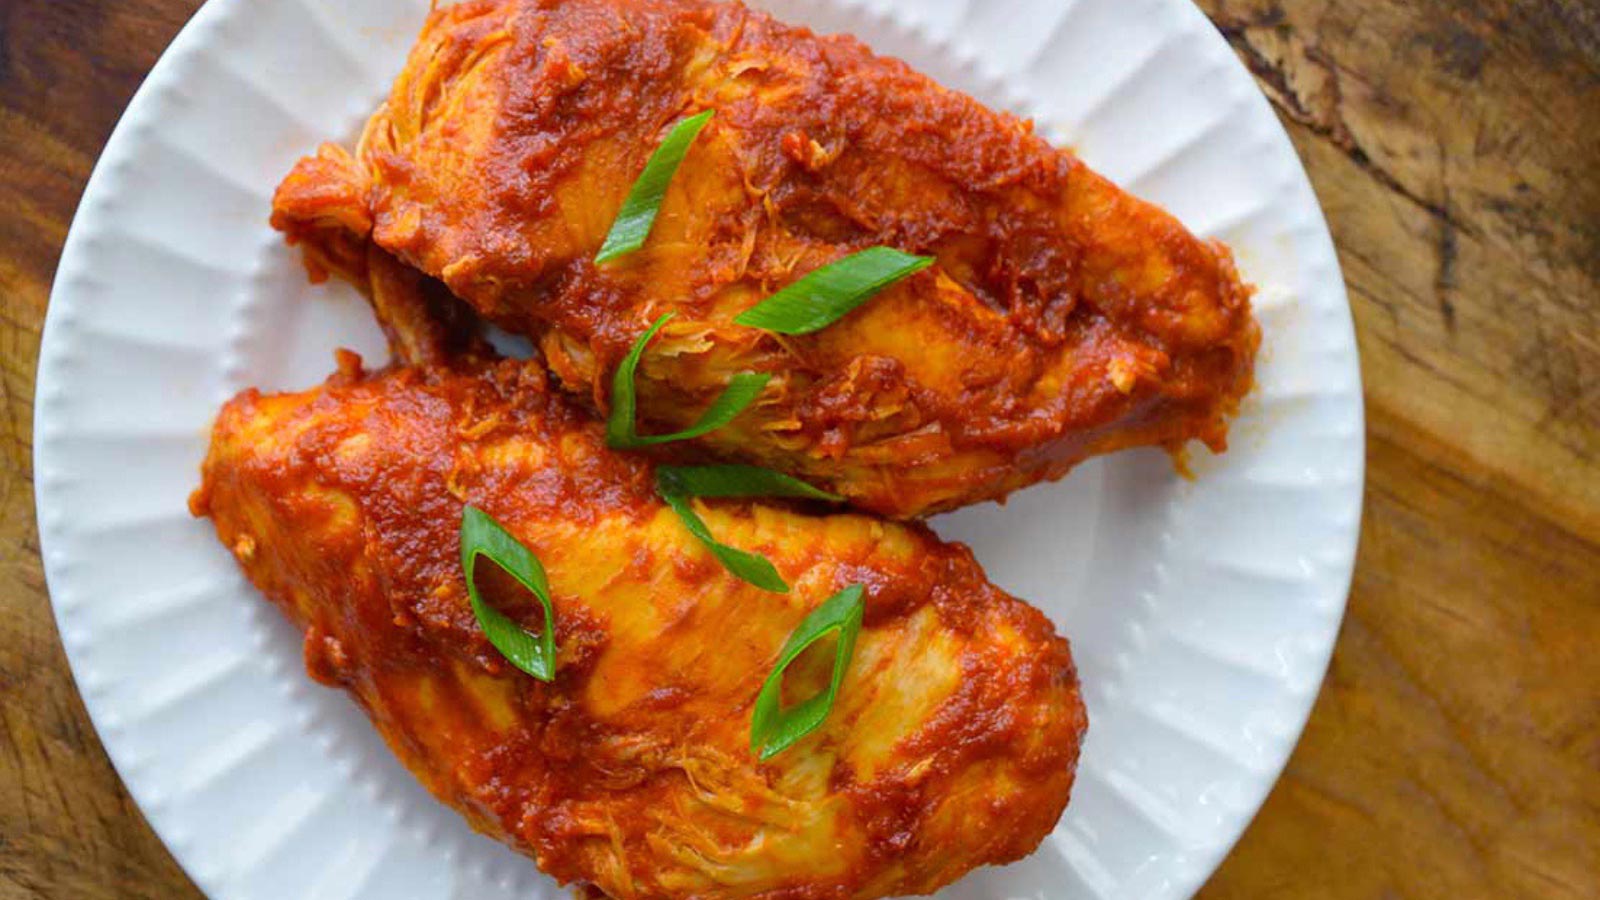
(638, 213)
(621, 429)
(751, 567)
(774, 729)
(676, 484)
(824, 296)
(481, 535)
(735, 481)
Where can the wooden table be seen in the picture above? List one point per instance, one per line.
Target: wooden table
(1455, 750)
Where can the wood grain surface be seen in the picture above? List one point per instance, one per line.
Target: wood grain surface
(1455, 749)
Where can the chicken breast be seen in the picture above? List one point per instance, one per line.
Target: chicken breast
(1062, 319)
(952, 743)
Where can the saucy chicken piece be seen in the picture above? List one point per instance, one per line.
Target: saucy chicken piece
(1063, 318)
(952, 743)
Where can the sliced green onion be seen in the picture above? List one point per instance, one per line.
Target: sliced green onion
(638, 213)
(481, 535)
(622, 430)
(773, 728)
(751, 567)
(824, 296)
(676, 484)
(735, 481)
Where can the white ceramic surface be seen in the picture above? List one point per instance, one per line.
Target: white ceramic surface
(1202, 612)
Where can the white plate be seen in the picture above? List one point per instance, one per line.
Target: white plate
(1202, 613)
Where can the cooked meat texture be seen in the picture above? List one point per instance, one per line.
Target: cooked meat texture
(952, 744)
(1064, 318)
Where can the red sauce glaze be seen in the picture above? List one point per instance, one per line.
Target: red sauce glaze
(952, 745)
(1064, 317)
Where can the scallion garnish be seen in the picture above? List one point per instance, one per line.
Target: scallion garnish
(677, 484)
(751, 567)
(622, 430)
(825, 295)
(481, 535)
(638, 213)
(774, 728)
(735, 481)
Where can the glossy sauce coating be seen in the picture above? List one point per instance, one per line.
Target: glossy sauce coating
(952, 745)
(1064, 318)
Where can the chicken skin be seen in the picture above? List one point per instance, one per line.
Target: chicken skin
(1063, 318)
(952, 743)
